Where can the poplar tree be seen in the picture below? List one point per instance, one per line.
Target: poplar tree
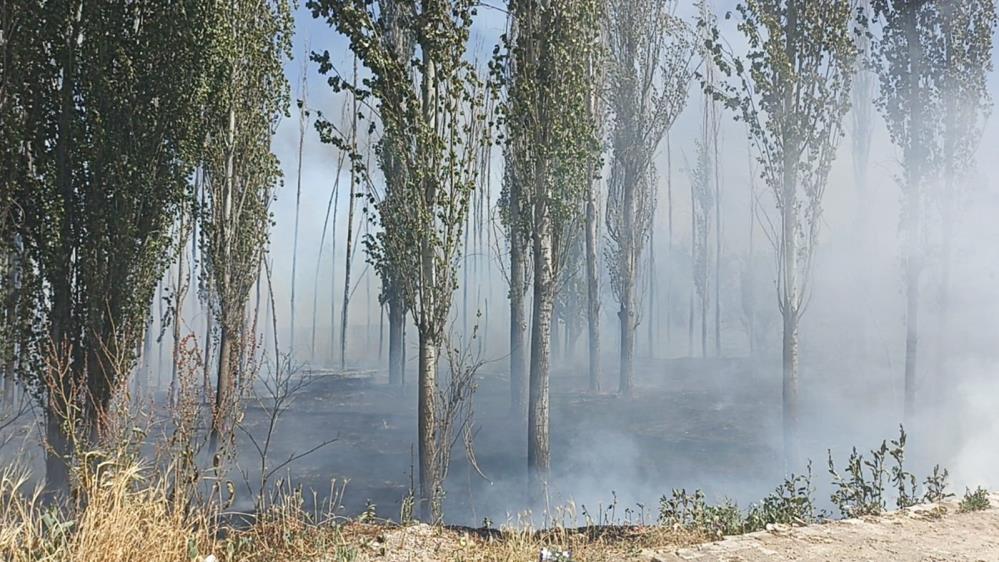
(248, 93)
(968, 29)
(792, 88)
(430, 110)
(552, 146)
(648, 74)
(932, 59)
(105, 101)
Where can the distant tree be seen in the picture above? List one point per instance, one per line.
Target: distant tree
(967, 29)
(15, 50)
(910, 103)
(514, 217)
(303, 122)
(792, 89)
(249, 92)
(105, 103)
(650, 51)
(351, 205)
(712, 128)
(597, 115)
(932, 59)
(397, 28)
(864, 84)
(702, 197)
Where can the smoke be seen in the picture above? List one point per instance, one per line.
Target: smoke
(708, 423)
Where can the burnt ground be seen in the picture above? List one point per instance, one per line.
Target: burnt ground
(712, 424)
(693, 423)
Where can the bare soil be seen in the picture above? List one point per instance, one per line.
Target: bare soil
(937, 532)
(933, 532)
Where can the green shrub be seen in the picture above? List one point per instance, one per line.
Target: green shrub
(689, 511)
(936, 486)
(791, 503)
(861, 490)
(975, 501)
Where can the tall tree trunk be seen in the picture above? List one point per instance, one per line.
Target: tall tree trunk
(178, 303)
(381, 332)
(913, 269)
(915, 153)
(556, 340)
(627, 317)
(789, 388)
(538, 443)
(911, 335)
(861, 112)
(206, 397)
(627, 312)
(669, 240)
(159, 348)
(465, 267)
(225, 386)
(750, 293)
(298, 205)
(718, 231)
(430, 492)
(429, 342)
(789, 308)
(704, 323)
(397, 317)
(693, 269)
(789, 242)
(206, 374)
(331, 207)
(518, 320)
(336, 205)
(57, 453)
(350, 237)
(943, 289)
(690, 325)
(227, 325)
(652, 316)
(402, 353)
(592, 286)
(143, 378)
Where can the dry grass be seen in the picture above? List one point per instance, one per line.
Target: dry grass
(124, 517)
(128, 514)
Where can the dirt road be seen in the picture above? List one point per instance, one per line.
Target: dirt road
(934, 532)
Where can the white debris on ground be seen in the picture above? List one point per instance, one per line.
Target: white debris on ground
(549, 555)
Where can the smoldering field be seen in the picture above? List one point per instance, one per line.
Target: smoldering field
(706, 423)
(706, 414)
(710, 423)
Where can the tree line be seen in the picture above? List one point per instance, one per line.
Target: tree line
(134, 130)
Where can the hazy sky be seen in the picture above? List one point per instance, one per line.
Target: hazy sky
(841, 202)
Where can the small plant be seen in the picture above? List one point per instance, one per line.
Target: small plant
(406, 511)
(936, 486)
(905, 482)
(791, 503)
(975, 501)
(862, 492)
(690, 511)
(370, 513)
(857, 494)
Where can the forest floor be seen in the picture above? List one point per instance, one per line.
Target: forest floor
(931, 532)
